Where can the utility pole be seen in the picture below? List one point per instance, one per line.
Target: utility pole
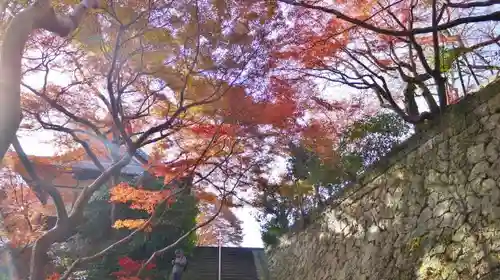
(220, 253)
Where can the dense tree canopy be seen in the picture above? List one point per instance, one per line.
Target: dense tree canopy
(211, 93)
(164, 76)
(414, 56)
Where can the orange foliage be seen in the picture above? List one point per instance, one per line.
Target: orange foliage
(207, 197)
(210, 129)
(133, 224)
(316, 138)
(138, 198)
(241, 108)
(373, 54)
(173, 170)
(50, 171)
(427, 40)
(22, 212)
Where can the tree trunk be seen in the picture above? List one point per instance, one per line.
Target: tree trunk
(39, 15)
(14, 41)
(39, 258)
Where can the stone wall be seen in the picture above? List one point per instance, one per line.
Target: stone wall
(429, 211)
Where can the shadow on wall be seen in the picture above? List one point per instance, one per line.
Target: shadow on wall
(433, 212)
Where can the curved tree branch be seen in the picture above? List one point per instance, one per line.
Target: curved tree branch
(38, 15)
(472, 4)
(494, 16)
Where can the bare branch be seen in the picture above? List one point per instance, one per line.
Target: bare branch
(472, 4)
(494, 16)
(73, 134)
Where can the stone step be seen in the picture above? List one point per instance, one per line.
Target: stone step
(236, 264)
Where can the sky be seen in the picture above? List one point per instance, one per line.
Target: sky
(251, 228)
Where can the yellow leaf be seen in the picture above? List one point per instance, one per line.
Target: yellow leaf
(125, 14)
(221, 7)
(199, 88)
(163, 108)
(205, 62)
(158, 35)
(131, 224)
(174, 79)
(252, 16)
(271, 8)
(151, 60)
(89, 33)
(197, 110)
(68, 2)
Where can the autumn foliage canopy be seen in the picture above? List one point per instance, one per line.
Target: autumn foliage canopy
(212, 93)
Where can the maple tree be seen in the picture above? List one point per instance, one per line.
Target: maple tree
(19, 210)
(167, 75)
(415, 56)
